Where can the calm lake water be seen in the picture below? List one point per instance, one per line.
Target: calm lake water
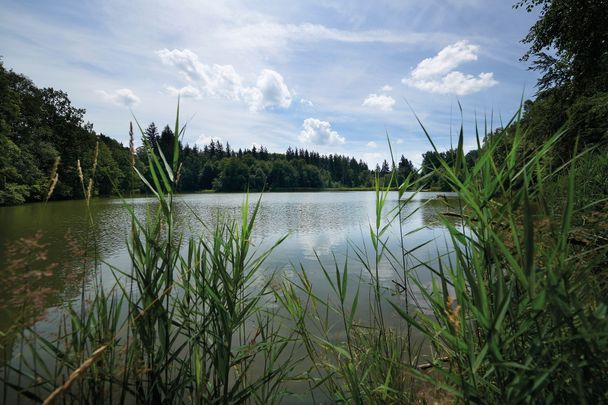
(47, 250)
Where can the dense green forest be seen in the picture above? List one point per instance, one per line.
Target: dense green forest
(569, 47)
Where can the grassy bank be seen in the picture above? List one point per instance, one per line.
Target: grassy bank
(517, 312)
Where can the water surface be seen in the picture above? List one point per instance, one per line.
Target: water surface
(48, 251)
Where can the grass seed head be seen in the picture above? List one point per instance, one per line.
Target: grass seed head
(80, 175)
(54, 177)
(95, 157)
(453, 313)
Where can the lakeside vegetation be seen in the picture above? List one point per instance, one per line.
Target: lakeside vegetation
(518, 313)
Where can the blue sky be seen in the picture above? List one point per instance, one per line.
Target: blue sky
(333, 76)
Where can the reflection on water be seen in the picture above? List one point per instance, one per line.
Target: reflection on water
(320, 224)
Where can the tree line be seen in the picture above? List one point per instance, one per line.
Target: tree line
(219, 167)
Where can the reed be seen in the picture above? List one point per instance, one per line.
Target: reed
(516, 313)
(527, 322)
(185, 323)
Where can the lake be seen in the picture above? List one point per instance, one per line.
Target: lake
(48, 250)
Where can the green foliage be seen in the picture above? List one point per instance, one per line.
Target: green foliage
(13, 194)
(519, 312)
(583, 119)
(405, 169)
(588, 119)
(431, 167)
(218, 167)
(233, 177)
(37, 126)
(514, 314)
(569, 44)
(282, 175)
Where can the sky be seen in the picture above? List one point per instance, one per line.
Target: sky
(335, 76)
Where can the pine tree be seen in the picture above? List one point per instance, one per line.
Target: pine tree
(151, 135)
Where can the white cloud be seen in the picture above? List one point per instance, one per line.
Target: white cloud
(122, 97)
(457, 83)
(372, 159)
(372, 144)
(185, 61)
(447, 59)
(203, 140)
(398, 141)
(317, 132)
(273, 35)
(274, 92)
(215, 80)
(437, 74)
(380, 102)
(253, 97)
(188, 91)
(386, 88)
(223, 81)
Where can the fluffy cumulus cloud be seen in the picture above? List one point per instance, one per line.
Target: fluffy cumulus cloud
(372, 144)
(317, 132)
(386, 87)
(458, 83)
(214, 80)
(223, 81)
(273, 91)
(185, 61)
(437, 74)
(121, 97)
(380, 102)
